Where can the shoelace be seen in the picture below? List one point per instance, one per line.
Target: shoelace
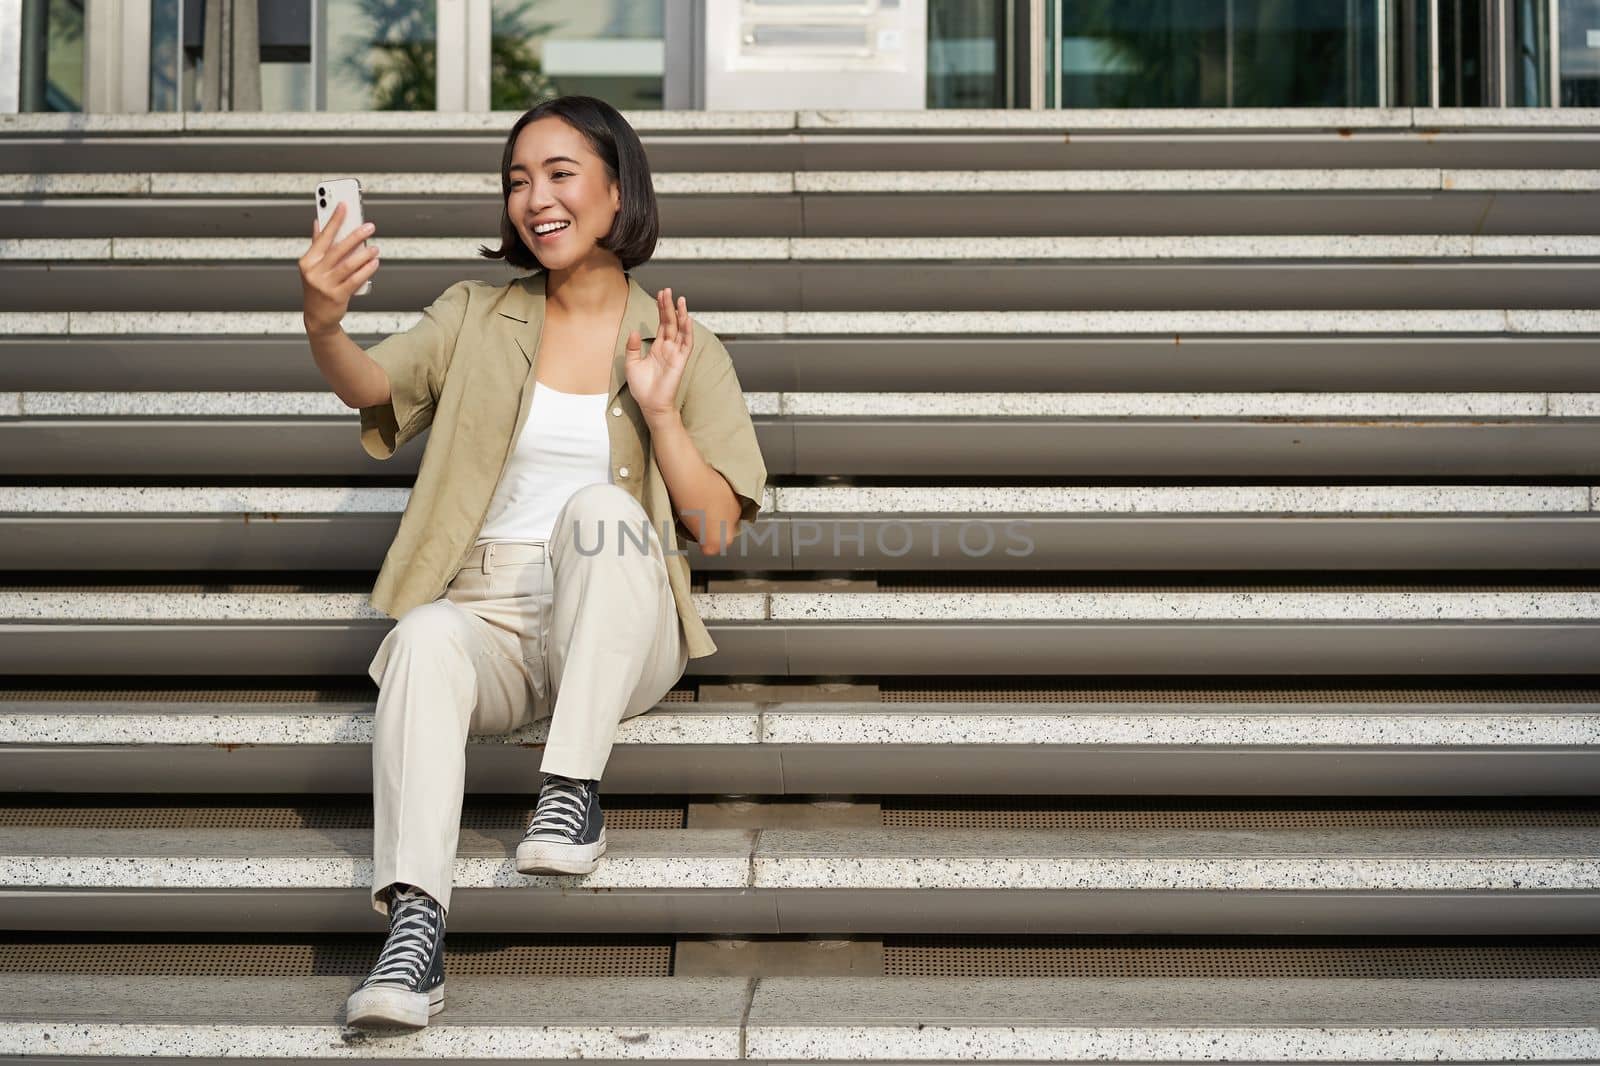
(563, 804)
(413, 928)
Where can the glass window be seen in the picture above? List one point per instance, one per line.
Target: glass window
(1217, 53)
(612, 49)
(52, 56)
(383, 55)
(1580, 53)
(967, 53)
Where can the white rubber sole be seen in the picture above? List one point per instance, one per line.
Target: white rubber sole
(379, 1006)
(554, 857)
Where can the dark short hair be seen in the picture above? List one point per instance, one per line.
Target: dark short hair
(633, 233)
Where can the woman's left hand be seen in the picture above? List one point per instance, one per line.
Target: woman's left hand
(653, 376)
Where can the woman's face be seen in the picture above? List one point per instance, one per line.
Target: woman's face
(555, 176)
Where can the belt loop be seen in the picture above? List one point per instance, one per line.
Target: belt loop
(488, 553)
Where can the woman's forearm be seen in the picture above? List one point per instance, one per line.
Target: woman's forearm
(701, 496)
(352, 374)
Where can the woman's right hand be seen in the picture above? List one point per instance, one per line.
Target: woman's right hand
(330, 274)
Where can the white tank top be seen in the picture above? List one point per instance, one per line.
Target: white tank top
(563, 446)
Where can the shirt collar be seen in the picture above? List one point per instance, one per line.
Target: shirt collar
(524, 302)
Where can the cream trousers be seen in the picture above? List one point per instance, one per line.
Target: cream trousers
(581, 629)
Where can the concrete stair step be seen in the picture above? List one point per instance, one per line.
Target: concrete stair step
(1387, 743)
(867, 274)
(821, 140)
(57, 629)
(267, 435)
(797, 203)
(1244, 527)
(1434, 881)
(809, 1019)
(1334, 351)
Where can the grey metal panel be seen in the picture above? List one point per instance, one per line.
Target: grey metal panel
(866, 649)
(1182, 542)
(1048, 447)
(1167, 363)
(862, 769)
(344, 153)
(441, 215)
(281, 768)
(874, 542)
(286, 447)
(830, 447)
(892, 362)
(285, 650)
(847, 285)
(997, 214)
(507, 909)
(1137, 149)
(700, 151)
(1010, 910)
(847, 214)
(881, 911)
(1203, 285)
(1176, 649)
(1058, 769)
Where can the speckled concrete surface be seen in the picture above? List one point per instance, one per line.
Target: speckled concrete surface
(1244, 119)
(33, 323)
(393, 249)
(324, 404)
(779, 182)
(850, 500)
(684, 249)
(250, 499)
(1168, 404)
(1120, 181)
(319, 404)
(75, 184)
(647, 859)
(668, 724)
(1183, 606)
(1079, 120)
(1536, 320)
(44, 122)
(666, 861)
(1292, 323)
(1164, 499)
(799, 1019)
(1202, 860)
(1502, 117)
(1154, 724)
(1139, 1020)
(1300, 323)
(684, 1019)
(1552, 180)
(55, 724)
(272, 606)
(57, 248)
(1533, 604)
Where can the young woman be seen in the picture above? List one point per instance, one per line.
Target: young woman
(529, 574)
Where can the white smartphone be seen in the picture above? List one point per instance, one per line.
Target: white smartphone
(331, 192)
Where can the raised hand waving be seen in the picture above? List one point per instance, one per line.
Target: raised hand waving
(653, 376)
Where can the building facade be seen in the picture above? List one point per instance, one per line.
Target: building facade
(130, 56)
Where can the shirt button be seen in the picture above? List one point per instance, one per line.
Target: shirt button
(617, 410)
(622, 471)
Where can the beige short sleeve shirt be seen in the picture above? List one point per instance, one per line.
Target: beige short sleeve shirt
(465, 371)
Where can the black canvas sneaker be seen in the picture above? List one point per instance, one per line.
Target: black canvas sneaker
(567, 834)
(406, 987)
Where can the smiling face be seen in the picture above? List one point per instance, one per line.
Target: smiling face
(556, 176)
